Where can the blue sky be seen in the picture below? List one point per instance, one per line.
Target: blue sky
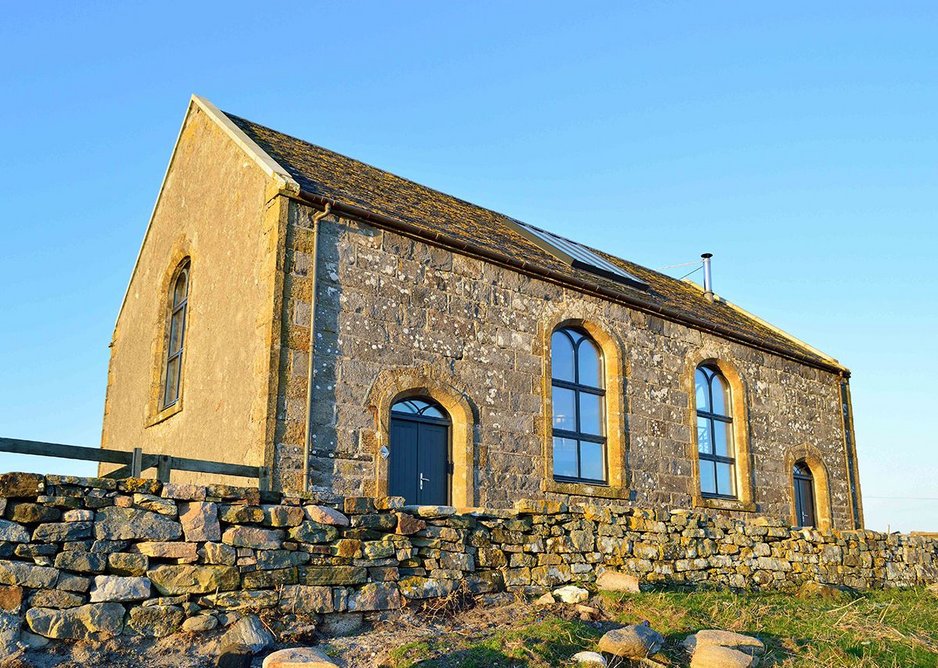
(798, 142)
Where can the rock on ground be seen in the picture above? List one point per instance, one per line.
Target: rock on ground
(715, 656)
(633, 642)
(830, 592)
(299, 657)
(592, 659)
(572, 594)
(737, 641)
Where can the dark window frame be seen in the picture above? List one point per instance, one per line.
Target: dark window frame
(711, 372)
(178, 317)
(577, 388)
(801, 473)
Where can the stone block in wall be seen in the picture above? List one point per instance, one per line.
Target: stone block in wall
(179, 551)
(333, 575)
(27, 575)
(55, 598)
(60, 532)
(134, 524)
(326, 515)
(253, 537)
(306, 600)
(240, 514)
(81, 561)
(32, 513)
(314, 532)
(374, 596)
(242, 600)
(13, 532)
(102, 619)
(171, 580)
(21, 485)
(156, 621)
(127, 563)
(118, 588)
(199, 521)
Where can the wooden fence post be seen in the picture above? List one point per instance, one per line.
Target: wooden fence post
(136, 463)
(164, 468)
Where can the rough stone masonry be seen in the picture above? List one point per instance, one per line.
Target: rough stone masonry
(102, 557)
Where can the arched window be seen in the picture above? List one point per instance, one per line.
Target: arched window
(715, 443)
(803, 495)
(579, 411)
(176, 328)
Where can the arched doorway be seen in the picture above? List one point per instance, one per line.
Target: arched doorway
(419, 463)
(804, 495)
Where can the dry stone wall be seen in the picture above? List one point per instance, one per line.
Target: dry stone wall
(89, 556)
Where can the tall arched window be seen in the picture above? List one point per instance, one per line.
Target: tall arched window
(178, 300)
(715, 451)
(579, 411)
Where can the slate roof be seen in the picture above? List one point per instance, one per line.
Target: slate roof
(324, 174)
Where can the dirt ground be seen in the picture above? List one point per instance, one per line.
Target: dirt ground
(369, 647)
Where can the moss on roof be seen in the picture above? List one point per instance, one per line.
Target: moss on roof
(322, 173)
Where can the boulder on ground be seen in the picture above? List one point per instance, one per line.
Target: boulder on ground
(715, 656)
(200, 623)
(572, 594)
(299, 657)
(234, 656)
(616, 581)
(737, 641)
(591, 659)
(545, 599)
(632, 642)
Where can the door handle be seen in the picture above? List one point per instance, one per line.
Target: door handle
(422, 480)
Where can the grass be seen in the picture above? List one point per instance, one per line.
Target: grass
(886, 628)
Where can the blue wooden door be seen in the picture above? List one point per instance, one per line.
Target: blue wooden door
(418, 468)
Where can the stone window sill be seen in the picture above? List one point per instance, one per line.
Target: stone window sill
(724, 504)
(166, 413)
(584, 489)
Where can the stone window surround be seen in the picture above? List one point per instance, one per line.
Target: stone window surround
(615, 379)
(180, 257)
(391, 386)
(745, 499)
(822, 495)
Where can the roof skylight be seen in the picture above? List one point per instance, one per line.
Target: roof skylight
(577, 255)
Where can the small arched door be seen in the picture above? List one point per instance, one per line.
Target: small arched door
(804, 495)
(419, 467)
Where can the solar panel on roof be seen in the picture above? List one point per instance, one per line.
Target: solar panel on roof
(576, 255)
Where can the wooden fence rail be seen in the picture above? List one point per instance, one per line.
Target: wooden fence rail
(135, 462)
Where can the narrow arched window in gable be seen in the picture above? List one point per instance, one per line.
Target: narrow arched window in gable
(176, 335)
(579, 410)
(715, 440)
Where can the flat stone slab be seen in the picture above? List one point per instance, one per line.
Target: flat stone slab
(299, 657)
(720, 638)
(715, 656)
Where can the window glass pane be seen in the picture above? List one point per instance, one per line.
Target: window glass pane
(591, 364)
(564, 409)
(703, 397)
(703, 435)
(721, 397)
(591, 461)
(181, 288)
(172, 381)
(176, 328)
(565, 457)
(708, 483)
(722, 435)
(592, 420)
(725, 479)
(561, 357)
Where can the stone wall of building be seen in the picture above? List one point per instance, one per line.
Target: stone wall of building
(389, 306)
(84, 555)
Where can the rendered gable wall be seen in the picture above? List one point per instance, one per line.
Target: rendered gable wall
(211, 209)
